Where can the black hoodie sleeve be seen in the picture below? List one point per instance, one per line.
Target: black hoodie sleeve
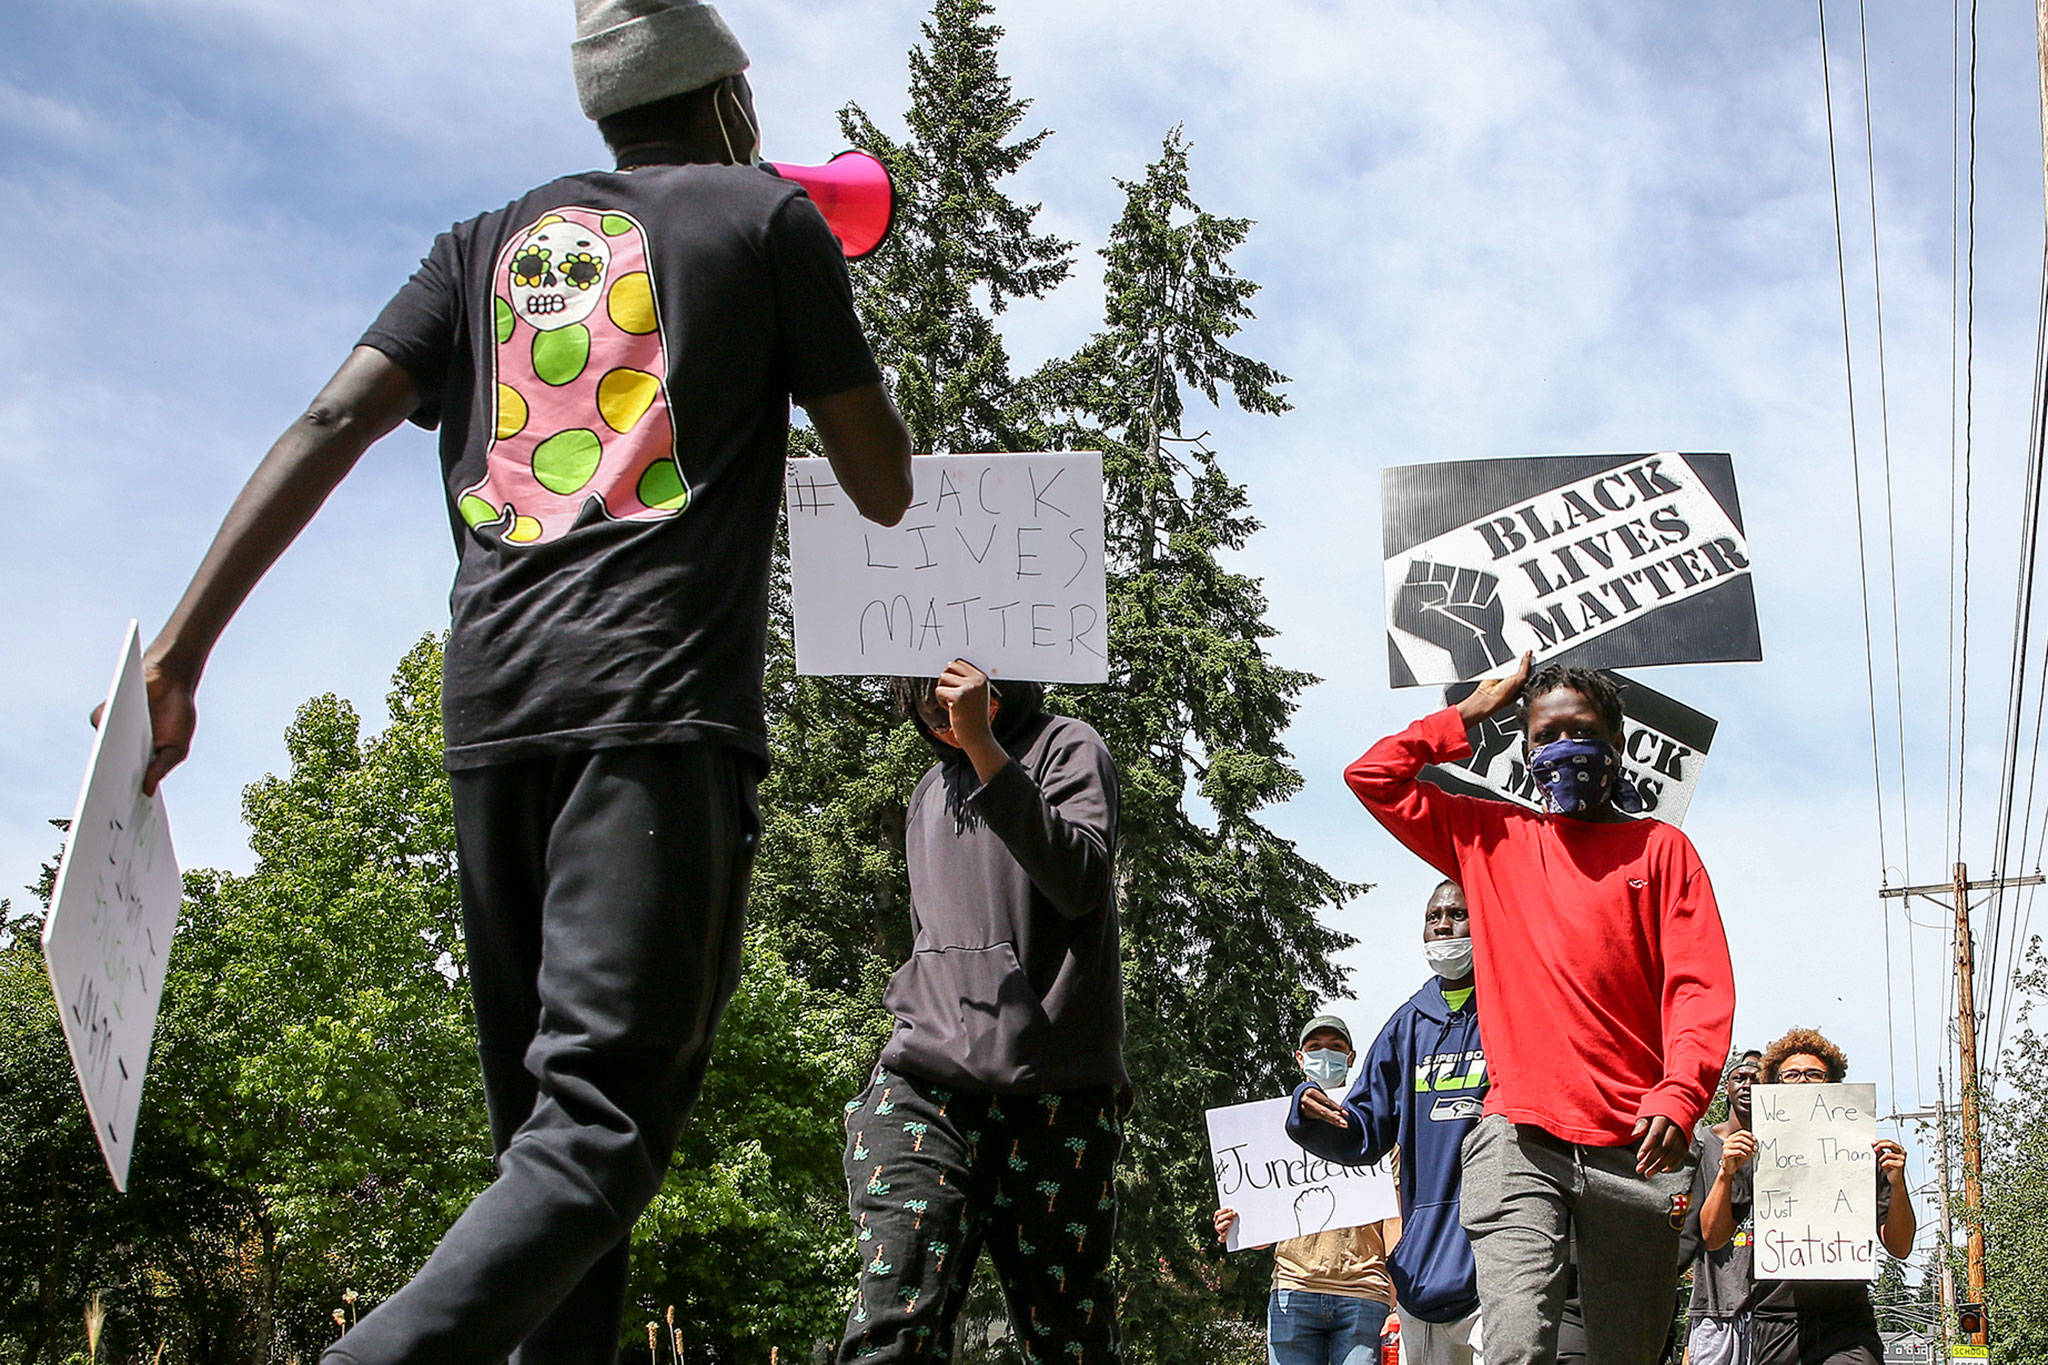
(1062, 829)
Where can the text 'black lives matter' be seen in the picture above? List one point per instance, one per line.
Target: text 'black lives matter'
(1602, 561)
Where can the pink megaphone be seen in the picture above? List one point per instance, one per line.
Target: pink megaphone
(853, 191)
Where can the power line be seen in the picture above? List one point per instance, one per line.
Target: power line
(1855, 456)
(1885, 430)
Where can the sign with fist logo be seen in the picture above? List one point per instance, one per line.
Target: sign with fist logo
(1597, 560)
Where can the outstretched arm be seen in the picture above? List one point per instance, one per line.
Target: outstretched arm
(368, 396)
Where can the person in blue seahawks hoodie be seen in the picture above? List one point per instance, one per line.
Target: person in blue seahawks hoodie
(1420, 1090)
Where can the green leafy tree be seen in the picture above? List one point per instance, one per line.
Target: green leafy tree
(1225, 953)
(2015, 1149)
(314, 1117)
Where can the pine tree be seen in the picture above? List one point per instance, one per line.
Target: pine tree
(962, 249)
(1225, 954)
(831, 868)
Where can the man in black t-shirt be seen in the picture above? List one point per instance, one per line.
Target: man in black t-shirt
(1717, 1330)
(610, 360)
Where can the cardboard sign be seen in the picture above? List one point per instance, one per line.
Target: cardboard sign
(1597, 560)
(1815, 1182)
(112, 915)
(1280, 1191)
(998, 561)
(1664, 746)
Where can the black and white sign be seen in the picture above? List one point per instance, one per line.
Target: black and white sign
(1664, 745)
(1603, 561)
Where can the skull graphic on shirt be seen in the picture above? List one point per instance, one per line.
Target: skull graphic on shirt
(583, 428)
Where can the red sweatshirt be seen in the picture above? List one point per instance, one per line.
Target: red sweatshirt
(1605, 987)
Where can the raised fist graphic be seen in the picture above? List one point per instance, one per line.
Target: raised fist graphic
(1457, 608)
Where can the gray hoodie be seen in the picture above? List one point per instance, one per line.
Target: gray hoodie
(1014, 981)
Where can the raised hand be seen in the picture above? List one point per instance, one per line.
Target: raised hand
(1459, 609)
(1317, 1104)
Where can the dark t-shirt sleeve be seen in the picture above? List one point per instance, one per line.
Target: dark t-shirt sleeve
(818, 337)
(419, 327)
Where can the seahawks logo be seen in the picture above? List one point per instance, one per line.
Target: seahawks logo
(1451, 1108)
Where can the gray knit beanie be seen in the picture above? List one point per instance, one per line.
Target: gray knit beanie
(633, 52)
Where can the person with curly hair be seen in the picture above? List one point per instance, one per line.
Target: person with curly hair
(1608, 1003)
(1808, 1322)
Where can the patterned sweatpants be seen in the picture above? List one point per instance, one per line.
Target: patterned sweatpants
(934, 1174)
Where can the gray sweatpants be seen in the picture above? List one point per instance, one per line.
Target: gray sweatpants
(1526, 1195)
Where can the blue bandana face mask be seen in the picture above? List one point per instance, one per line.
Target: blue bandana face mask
(1579, 775)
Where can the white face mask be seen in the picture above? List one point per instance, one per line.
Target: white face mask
(1326, 1067)
(1449, 958)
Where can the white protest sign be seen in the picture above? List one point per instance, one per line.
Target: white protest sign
(1815, 1182)
(1280, 1191)
(998, 561)
(112, 915)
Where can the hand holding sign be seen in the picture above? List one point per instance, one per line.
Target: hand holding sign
(173, 717)
(1274, 1190)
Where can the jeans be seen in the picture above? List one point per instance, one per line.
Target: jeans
(1306, 1328)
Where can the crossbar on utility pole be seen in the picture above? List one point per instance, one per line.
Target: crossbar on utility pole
(1959, 890)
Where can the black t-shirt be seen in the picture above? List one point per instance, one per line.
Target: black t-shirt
(610, 360)
(1721, 1284)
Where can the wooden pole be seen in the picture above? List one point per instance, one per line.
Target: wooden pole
(1966, 1023)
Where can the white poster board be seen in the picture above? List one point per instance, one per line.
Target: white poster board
(998, 561)
(1280, 1191)
(112, 915)
(1815, 1182)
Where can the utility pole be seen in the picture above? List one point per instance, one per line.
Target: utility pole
(1958, 893)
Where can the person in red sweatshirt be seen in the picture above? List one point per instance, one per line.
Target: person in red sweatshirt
(1609, 1001)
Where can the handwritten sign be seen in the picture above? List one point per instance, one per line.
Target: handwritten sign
(1280, 1191)
(1596, 560)
(112, 915)
(998, 561)
(1815, 1182)
(1664, 745)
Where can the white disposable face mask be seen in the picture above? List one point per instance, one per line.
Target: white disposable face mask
(1326, 1067)
(1449, 958)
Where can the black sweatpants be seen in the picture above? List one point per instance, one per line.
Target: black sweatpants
(603, 899)
(933, 1173)
(1847, 1337)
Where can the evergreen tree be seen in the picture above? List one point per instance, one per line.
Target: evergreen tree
(831, 868)
(962, 249)
(1225, 955)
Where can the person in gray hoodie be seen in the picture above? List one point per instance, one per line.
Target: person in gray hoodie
(995, 1116)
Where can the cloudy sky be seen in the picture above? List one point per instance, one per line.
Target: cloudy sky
(1484, 230)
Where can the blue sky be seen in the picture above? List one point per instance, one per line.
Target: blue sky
(1484, 229)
